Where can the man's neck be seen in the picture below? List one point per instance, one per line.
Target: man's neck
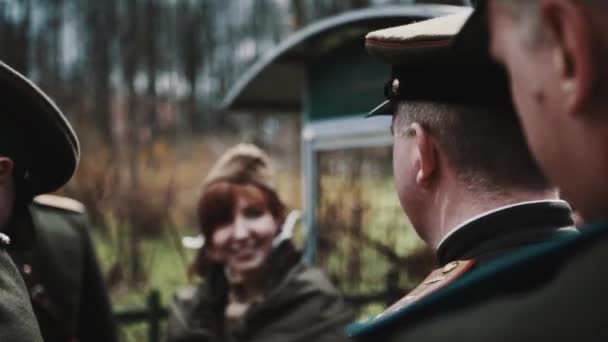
(585, 187)
(453, 209)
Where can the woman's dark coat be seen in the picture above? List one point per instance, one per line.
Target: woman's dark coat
(300, 305)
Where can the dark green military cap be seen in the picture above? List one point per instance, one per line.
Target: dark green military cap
(35, 134)
(427, 66)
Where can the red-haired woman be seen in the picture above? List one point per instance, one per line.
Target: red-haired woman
(255, 286)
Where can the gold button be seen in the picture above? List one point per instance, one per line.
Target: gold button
(37, 291)
(27, 269)
(4, 239)
(449, 267)
(395, 85)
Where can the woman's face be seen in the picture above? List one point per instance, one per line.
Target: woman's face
(244, 243)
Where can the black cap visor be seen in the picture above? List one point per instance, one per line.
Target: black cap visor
(38, 136)
(385, 108)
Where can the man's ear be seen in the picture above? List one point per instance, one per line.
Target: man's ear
(427, 153)
(6, 169)
(569, 26)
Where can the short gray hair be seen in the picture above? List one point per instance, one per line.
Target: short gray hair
(485, 146)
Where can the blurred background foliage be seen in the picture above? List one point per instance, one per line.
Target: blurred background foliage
(140, 80)
(364, 241)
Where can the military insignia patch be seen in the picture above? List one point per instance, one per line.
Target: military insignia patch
(436, 280)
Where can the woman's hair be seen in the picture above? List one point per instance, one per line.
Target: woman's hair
(217, 207)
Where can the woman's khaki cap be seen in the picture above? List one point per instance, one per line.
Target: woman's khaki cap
(35, 131)
(243, 163)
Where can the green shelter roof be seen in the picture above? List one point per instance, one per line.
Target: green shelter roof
(275, 82)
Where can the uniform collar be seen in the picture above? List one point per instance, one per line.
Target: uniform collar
(506, 227)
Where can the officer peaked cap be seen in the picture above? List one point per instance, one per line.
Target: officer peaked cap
(427, 66)
(35, 134)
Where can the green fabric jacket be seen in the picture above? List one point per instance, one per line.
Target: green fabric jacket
(61, 272)
(549, 292)
(301, 306)
(17, 321)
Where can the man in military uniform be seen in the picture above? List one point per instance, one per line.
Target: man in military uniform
(60, 270)
(38, 153)
(454, 156)
(557, 291)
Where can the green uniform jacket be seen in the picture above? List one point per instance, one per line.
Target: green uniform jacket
(61, 272)
(301, 305)
(17, 321)
(547, 291)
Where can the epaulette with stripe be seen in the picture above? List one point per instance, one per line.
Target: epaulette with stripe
(436, 280)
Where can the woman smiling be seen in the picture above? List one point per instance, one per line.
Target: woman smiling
(255, 286)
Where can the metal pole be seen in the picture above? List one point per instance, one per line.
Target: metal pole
(154, 313)
(310, 193)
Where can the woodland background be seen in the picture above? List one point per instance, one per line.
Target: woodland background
(141, 81)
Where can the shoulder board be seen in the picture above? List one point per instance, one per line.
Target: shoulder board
(59, 202)
(436, 280)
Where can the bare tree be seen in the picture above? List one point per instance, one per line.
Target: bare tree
(190, 49)
(16, 35)
(101, 21)
(152, 24)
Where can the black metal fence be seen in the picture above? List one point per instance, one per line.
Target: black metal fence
(152, 314)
